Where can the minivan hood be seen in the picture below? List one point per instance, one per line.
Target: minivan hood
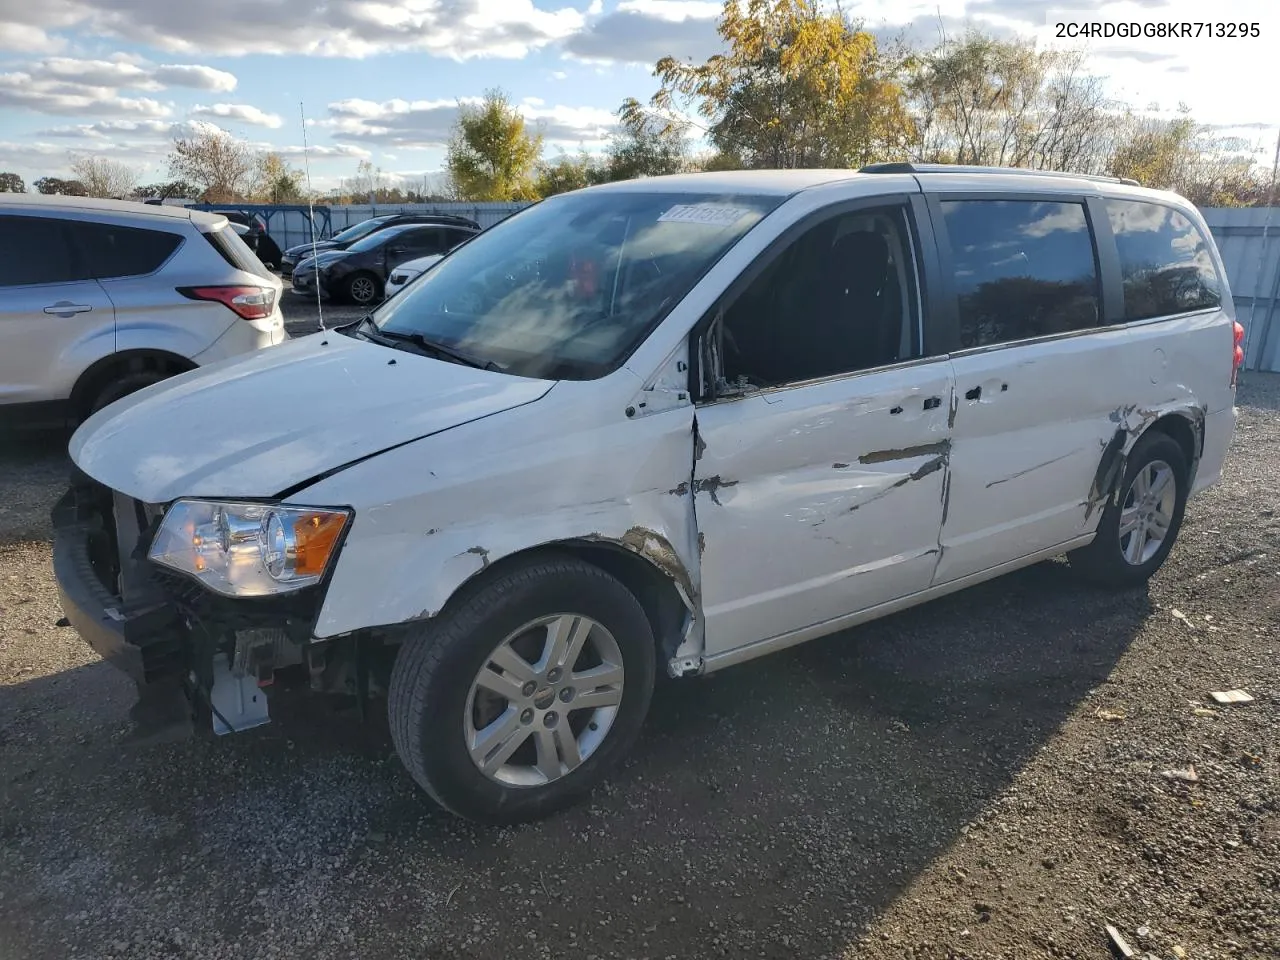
(259, 425)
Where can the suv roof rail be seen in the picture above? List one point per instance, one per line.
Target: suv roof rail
(438, 217)
(908, 167)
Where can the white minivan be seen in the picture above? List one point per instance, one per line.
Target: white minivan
(662, 425)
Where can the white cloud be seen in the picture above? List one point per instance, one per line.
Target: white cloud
(24, 90)
(674, 11)
(196, 76)
(243, 112)
(426, 124)
(645, 31)
(459, 29)
(163, 129)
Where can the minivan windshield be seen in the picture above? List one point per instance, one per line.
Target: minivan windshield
(567, 289)
(358, 230)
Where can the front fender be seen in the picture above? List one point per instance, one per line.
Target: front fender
(440, 510)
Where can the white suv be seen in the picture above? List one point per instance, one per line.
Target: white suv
(669, 424)
(99, 298)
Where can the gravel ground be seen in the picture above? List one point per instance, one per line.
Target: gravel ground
(978, 778)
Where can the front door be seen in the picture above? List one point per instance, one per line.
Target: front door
(821, 465)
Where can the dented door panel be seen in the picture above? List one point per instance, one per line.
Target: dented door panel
(819, 500)
(1032, 422)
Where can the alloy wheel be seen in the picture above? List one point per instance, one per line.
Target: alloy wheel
(544, 700)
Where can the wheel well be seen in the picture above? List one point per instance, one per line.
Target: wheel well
(1180, 429)
(654, 590)
(122, 364)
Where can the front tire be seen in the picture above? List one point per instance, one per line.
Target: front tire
(1138, 529)
(516, 702)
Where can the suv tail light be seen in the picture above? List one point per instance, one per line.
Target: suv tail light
(249, 303)
(1237, 358)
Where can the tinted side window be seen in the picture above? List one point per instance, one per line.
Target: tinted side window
(422, 242)
(236, 252)
(36, 250)
(1164, 261)
(841, 297)
(1023, 268)
(114, 251)
(455, 237)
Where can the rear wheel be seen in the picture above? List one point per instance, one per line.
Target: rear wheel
(519, 701)
(1138, 529)
(363, 289)
(123, 385)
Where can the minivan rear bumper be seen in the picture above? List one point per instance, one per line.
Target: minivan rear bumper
(1219, 429)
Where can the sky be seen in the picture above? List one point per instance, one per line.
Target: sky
(380, 80)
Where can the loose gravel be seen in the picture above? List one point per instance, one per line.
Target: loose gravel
(982, 777)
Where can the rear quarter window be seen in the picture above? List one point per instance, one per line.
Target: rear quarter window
(1165, 262)
(113, 251)
(236, 252)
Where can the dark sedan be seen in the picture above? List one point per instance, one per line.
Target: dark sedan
(343, 239)
(359, 273)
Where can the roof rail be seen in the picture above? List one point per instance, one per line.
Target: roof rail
(907, 167)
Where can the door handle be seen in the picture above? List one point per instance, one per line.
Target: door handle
(933, 403)
(65, 308)
(973, 394)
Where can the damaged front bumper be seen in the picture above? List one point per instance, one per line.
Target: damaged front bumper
(167, 633)
(140, 634)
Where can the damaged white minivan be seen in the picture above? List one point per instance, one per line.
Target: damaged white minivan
(663, 425)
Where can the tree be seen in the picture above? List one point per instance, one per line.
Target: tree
(179, 189)
(102, 177)
(12, 183)
(646, 145)
(491, 156)
(569, 172)
(992, 102)
(276, 181)
(1176, 153)
(65, 188)
(797, 87)
(215, 161)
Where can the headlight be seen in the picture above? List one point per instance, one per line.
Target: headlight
(248, 549)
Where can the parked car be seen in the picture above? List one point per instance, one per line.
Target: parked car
(254, 233)
(409, 271)
(103, 297)
(345, 238)
(359, 273)
(672, 424)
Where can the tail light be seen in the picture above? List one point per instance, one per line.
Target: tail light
(1237, 358)
(249, 303)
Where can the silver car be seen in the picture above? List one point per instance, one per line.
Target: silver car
(99, 298)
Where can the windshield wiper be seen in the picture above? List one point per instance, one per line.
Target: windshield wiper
(364, 328)
(439, 349)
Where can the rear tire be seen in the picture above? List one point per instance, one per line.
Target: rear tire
(1151, 517)
(121, 386)
(547, 736)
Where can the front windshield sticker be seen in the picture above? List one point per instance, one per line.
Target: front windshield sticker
(710, 214)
